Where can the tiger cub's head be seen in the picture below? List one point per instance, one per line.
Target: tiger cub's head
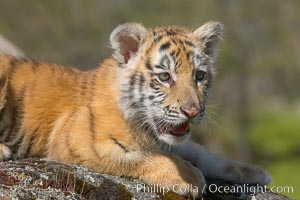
(165, 74)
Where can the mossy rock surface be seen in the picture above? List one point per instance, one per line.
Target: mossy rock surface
(42, 179)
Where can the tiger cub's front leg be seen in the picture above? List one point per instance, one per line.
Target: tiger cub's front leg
(75, 140)
(155, 169)
(216, 167)
(5, 151)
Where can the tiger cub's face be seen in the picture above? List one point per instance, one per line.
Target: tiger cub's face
(165, 75)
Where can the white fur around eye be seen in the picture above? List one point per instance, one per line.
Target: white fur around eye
(170, 66)
(203, 68)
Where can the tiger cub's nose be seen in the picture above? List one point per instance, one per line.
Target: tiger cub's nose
(190, 110)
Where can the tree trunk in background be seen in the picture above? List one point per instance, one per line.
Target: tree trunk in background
(239, 30)
(243, 108)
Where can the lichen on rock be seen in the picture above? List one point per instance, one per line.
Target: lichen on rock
(35, 178)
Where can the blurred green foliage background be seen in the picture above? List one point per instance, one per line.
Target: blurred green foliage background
(254, 110)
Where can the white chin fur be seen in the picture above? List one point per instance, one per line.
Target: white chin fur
(173, 140)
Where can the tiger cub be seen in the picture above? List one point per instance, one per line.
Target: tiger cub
(117, 118)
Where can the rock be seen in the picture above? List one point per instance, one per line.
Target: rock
(35, 178)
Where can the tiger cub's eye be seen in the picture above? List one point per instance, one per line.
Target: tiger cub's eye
(200, 75)
(164, 76)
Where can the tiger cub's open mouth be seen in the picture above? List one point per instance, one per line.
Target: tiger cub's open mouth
(180, 130)
(177, 130)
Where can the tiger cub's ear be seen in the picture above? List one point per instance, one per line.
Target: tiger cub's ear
(125, 41)
(209, 35)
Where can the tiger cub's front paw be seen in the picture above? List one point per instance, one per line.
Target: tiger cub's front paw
(239, 172)
(187, 180)
(178, 177)
(5, 152)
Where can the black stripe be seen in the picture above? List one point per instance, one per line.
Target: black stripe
(130, 96)
(92, 87)
(165, 46)
(132, 83)
(3, 80)
(141, 82)
(3, 131)
(156, 103)
(71, 151)
(178, 64)
(175, 116)
(3, 110)
(161, 94)
(92, 123)
(172, 53)
(120, 145)
(189, 43)
(173, 111)
(16, 142)
(25, 146)
(134, 105)
(141, 85)
(17, 136)
(153, 86)
(25, 60)
(151, 97)
(171, 33)
(158, 39)
(33, 139)
(188, 54)
(14, 62)
(156, 81)
(160, 67)
(92, 130)
(31, 143)
(84, 84)
(156, 92)
(197, 58)
(34, 65)
(133, 80)
(142, 99)
(148, 64)
(177, 53)
(163, 60)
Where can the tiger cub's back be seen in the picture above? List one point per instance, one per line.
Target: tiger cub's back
(32, 96)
